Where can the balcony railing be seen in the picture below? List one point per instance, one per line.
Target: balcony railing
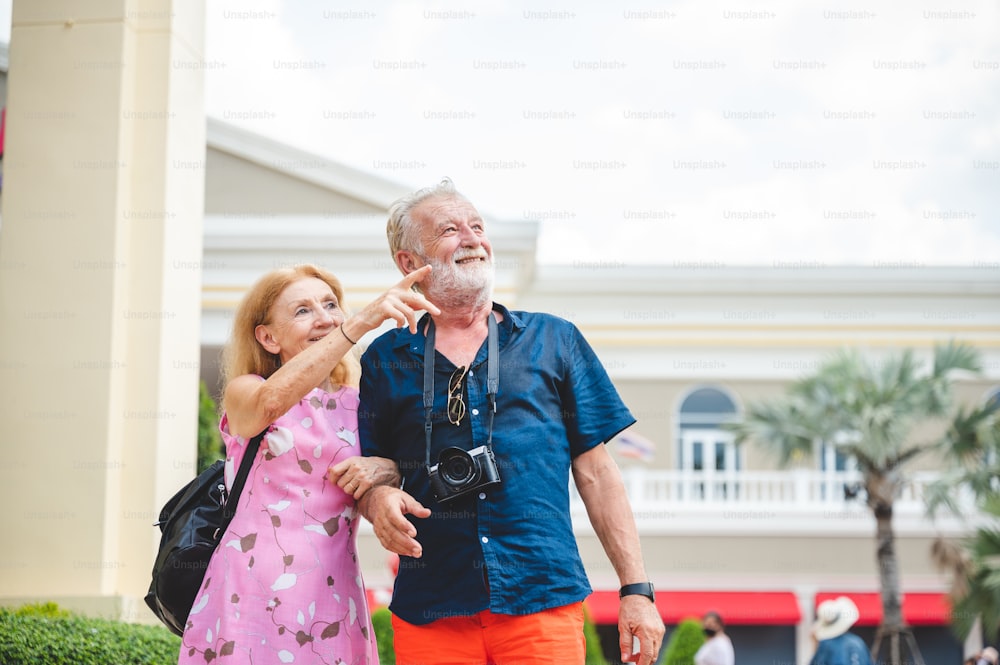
(793, 500)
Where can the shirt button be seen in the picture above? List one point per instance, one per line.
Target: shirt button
(482, 495)
(485, 540)
(475, 412)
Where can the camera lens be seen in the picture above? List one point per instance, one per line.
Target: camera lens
(457, 468)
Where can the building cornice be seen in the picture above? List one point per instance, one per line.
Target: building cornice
(619, 277)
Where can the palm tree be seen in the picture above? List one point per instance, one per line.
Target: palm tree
(869, 411)
(976, 567)
(974, 447)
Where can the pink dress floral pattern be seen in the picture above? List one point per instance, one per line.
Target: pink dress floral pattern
(285, 584)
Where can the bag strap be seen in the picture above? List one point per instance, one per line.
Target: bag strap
(233, 497)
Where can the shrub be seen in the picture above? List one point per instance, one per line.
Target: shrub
(595, 655)
(50, 610)
(684, 643)
(45, 634)
(382, 624)
(210, 446)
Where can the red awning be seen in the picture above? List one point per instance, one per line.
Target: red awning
(738, 608)
(919, 609)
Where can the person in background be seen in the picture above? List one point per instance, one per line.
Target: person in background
(718, 648)
(988, 656)
(836, 646)
(488, 412)
(284, 585)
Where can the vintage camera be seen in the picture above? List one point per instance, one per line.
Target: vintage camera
(459, 472)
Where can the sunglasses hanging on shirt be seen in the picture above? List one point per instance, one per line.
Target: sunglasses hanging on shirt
(459, 472)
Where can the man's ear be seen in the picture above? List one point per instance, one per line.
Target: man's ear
(408, 261)
(266, 340)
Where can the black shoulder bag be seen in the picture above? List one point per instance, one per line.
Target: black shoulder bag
(193, 522)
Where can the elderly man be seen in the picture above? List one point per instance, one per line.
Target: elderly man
(487, 411)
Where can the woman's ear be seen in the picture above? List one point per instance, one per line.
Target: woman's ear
(266, 339)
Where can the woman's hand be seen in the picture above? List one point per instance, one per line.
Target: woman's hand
(400, 303)
(357, 475)
(252, 404)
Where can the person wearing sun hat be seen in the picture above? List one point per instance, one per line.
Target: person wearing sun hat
(835, 645)
(988, 656)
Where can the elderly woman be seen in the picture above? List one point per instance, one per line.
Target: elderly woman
(285, 584)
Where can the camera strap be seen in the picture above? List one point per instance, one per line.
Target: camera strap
(492, 379)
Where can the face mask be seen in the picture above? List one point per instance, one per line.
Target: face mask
(710, 631)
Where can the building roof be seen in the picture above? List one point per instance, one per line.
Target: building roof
(310, 167)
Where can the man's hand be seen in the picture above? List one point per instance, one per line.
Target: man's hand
(386, 508)
(639, 617)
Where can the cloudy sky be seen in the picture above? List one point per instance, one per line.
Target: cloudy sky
(688, 132)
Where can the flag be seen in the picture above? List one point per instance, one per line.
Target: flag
(635, 446)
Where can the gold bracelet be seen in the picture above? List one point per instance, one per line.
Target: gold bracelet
(344, 333)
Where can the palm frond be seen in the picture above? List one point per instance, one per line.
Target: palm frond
(781, 426)
(941, 495)
(982, 596)
(955, 356)
(865, 463)
(909, 453)
(951, 557)
(972, 433)
(980, 602)
(972, 446)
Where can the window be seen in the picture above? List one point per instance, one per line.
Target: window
(705, 449)
(837, 466)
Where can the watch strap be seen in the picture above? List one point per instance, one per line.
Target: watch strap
(638, 589)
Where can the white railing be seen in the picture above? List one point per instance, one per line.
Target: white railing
(781, 499)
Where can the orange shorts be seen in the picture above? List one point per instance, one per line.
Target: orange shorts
(549, 636)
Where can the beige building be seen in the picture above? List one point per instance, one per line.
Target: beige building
(689, 346)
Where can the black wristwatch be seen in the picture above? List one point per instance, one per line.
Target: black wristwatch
(638, 589)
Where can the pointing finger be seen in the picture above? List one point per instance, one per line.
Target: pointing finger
(415, 276)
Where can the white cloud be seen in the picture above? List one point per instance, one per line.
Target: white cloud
(694, 131)
(698, 131)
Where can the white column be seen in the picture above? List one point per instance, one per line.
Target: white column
(100, 250)
(804, 645)
(974, 640)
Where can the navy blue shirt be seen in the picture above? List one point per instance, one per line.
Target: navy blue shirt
(510, 547)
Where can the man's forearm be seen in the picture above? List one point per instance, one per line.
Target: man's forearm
(387, 473)
(366, 502)
(615, 527)
(603, 492)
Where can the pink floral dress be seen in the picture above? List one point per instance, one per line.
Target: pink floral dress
(285, 584)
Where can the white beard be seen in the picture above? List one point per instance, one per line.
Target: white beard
(458, 286)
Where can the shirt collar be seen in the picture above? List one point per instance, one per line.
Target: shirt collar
(415, 341)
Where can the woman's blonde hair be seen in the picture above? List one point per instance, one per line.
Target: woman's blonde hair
(243, 354)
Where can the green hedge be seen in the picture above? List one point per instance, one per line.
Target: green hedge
(382, 624)
(684, 643)
(47, 635)
(210, 446)
(594, 654)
